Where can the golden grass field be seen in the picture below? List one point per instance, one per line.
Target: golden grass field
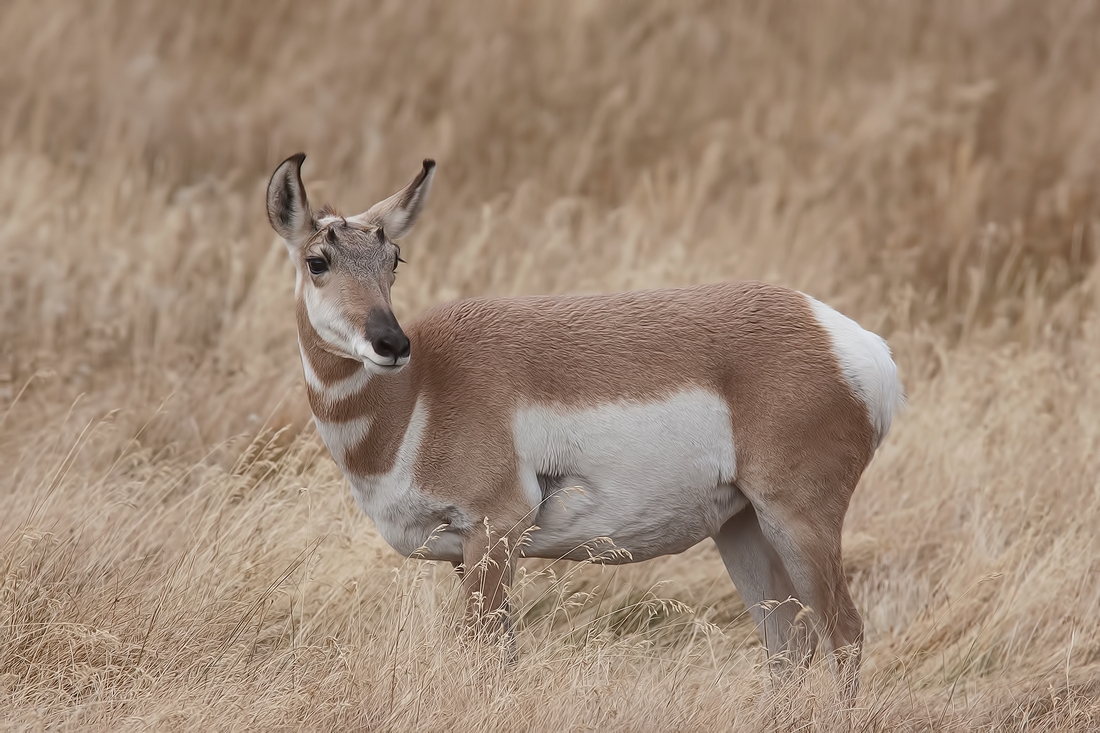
(178, 551)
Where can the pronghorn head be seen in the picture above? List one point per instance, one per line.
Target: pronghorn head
(346, 265)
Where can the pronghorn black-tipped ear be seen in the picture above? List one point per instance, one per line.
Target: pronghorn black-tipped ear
(397, 214)
(287, 205)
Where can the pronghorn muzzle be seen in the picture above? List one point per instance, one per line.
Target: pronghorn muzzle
(386, 337)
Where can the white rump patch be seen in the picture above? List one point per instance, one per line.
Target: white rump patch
(654, 477)
(866, 364)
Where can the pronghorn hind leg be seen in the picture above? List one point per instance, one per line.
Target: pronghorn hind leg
(766, 588)
(809, 547)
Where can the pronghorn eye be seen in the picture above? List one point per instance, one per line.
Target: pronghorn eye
(395, 261)
(317, 265)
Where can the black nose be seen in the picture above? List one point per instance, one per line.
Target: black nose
(386, 337)
(391, 345)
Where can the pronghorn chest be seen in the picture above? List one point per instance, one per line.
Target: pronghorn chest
(384, 486)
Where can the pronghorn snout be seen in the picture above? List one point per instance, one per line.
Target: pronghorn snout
(387, 339)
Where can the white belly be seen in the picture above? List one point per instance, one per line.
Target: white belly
(654, 478)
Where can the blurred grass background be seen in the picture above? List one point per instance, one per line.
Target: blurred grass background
(177, 550)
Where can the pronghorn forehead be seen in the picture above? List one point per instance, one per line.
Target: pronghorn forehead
(331, 222)
(348, 242)
(328, 215)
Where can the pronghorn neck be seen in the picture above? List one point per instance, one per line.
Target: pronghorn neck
(361, 416)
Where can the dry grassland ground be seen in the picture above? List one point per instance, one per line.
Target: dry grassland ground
(178, 551)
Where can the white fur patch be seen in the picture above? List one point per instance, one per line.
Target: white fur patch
(341, 437)
(654, 477)
(324, 221)
(404, 515)
(329, 322)
(866, 364)
(339, 390)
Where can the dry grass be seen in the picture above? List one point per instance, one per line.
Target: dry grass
(177, 551)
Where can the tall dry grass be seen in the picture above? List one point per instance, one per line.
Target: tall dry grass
(177, 551)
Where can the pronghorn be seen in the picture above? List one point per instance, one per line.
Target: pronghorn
(744, 412)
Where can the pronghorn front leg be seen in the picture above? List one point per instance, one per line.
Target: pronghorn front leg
(489, 553)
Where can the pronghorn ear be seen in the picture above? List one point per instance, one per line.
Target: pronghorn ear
(397, 214)
(287, 206)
